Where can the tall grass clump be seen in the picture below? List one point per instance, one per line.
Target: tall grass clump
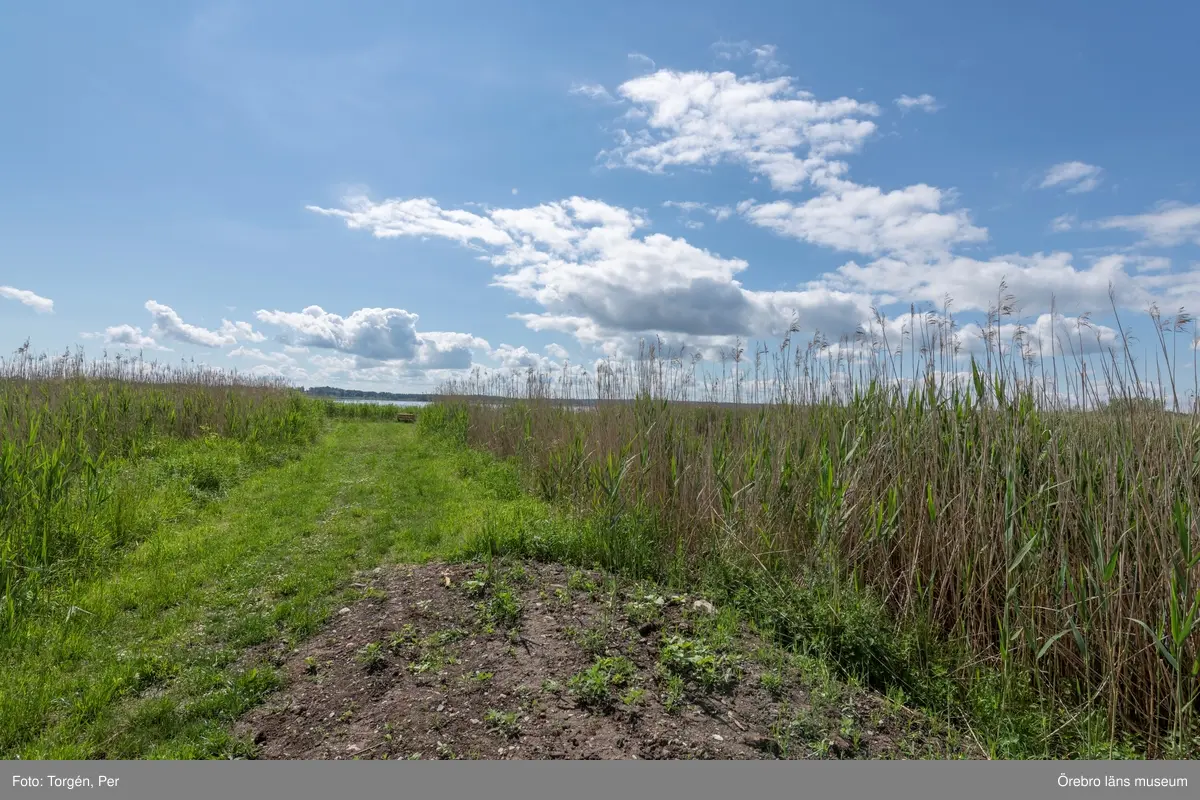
(1026, 502)
(377, 412)
(84, 445)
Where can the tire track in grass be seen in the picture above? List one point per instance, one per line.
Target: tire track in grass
(158, 658)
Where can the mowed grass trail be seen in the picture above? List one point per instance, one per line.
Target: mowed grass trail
(157, 658)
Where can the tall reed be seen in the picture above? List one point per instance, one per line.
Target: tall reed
(1033, 501)
(67, 427)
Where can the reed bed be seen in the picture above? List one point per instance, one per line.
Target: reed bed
(378, 412)
(1031, 504)
(73, 432)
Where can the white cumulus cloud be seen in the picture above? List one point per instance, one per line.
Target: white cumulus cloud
(419, 215)
(442, 350)
(371, 336)
(383, 334)
(38, 303)
(699, 119)
(865, 219)
(973, 284)
(128, 336)
(1169, 224)
(1074, 176)
(260, 355)
(924, 102)
(168, 324)
(599, 277)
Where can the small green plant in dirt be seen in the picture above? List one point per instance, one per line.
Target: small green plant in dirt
(517, 576)
(647, 608)
(310, 665)
(403, 638)
(634, 697)
(594, 687)
(674, 693)
(695, 660)
(476, 585)
(482, 677)
(372, 656)
(772, 682)
(444, 637)
(431, 660)
(719, 631)
(850, 732)
(593, 641)
(896, 699)
(504, 609)
(794, 727)
(502, 722)
(581, 582)
(562, 596)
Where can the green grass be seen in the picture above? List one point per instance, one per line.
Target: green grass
(158, 654)
(95, 455)
(596, 686)
(157, 658)
(503, 722)
(830, 621)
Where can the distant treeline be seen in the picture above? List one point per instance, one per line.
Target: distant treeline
(358, 394)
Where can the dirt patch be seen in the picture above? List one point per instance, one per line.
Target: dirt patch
(532, 661)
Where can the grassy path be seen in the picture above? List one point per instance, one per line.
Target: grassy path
(156, 659)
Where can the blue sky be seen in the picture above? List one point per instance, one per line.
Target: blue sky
(383, 194)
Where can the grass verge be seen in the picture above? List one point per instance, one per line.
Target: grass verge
(159, 657)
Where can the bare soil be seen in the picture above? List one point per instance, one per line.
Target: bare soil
(467, 661)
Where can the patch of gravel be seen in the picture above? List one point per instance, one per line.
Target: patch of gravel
(451, 661)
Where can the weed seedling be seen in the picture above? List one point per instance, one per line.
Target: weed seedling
(591, 641)
(504, 608)
(772, 682)
(405, 637)
(503, 723)
(371, 656)
(694, 660)
(595, 685)
(580, 582)
(673, 696)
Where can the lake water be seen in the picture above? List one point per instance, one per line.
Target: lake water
(407, 403)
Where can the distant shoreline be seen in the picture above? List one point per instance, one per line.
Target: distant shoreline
(334, 393)
(357, 394)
